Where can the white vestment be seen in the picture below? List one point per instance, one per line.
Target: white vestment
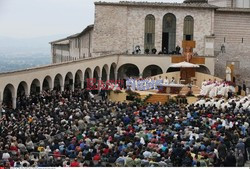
(228, 74)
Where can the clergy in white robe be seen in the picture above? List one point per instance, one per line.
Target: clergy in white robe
(166, 81)
(228, 74)
(213, 91)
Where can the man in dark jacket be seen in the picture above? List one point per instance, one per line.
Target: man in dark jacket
(247, 145)
(230, 160)
(222, 150)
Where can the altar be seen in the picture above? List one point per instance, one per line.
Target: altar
(170, 88)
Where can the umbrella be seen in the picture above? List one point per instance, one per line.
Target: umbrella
(184, 65)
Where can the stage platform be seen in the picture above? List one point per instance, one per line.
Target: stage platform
(153, 96)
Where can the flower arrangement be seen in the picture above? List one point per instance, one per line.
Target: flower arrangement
(154, 51)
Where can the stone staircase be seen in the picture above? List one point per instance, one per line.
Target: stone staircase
(195, 89)
(163, 98)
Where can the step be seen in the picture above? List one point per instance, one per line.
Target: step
(157, 98)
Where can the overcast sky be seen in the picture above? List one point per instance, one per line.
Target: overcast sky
(36, 18)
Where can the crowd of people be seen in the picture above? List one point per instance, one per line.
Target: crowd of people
(70, 129)
(216, 88)
(149, 83)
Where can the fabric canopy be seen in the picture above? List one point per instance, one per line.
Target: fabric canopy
(184, 64)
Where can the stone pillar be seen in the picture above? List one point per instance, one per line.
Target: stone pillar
(73, 87)
(140, 75)
(1, 107)
(52, 86)
(99, 84)
(99, 79)
(116, 75)
(82, 84)
(62, 88)
(108, 76)
(14, 103)
(28, 92)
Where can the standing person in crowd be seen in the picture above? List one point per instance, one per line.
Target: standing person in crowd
(244, 87)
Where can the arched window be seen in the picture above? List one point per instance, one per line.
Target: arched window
(168, 33)
(149, 39)
(188, 28)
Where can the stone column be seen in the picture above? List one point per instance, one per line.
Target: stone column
(1, 107)
(73, 87)
(82, 84)
(99, 84)
(52, 86)
(108, 76)
(140, 75)
(116, 75)
(28, 92)
(99, 80)
(14, 103)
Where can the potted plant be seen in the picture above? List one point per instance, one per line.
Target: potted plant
(154, 51)
(131, 95)
(147, 51)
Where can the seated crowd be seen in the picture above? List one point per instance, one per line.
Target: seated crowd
(70, 129)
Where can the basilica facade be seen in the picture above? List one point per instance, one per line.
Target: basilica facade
(221, 30)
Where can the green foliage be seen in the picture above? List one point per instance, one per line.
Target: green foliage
(132, 93)
(171, 101)
(117, 91)
(147, 97)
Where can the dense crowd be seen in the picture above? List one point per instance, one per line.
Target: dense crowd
(70, 129)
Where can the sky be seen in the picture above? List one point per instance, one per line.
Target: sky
(38, 18)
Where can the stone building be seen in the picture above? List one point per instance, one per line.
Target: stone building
(74, 47)
(121, 27)
(231, 3)
(139, 39)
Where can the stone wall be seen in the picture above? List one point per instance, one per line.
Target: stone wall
(61, 53)
(119, 29)
(220, 3)
(110, 31)
(230, 28)
(74, 49)
(86, 44)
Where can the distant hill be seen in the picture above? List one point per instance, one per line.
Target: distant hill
(16, 53)
(19, 45)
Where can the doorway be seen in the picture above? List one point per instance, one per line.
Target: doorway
(169, 34)
(165, 39)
